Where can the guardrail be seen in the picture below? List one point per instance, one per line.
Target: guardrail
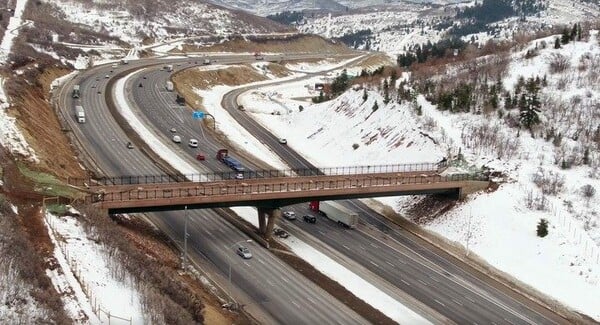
(294, 172)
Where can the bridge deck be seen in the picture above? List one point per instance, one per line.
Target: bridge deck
(285, 189)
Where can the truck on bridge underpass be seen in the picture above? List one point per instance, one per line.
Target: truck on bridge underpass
(335, 212)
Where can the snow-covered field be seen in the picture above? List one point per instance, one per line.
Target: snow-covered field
(11, 137)
(12, 30)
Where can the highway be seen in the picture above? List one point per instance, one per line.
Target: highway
(270, 291)
(435, 278)
(438, 281)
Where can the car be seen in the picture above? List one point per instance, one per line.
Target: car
(241, 108)
(173, 130)
(282, 141)
(244, 252)
(309, 219)
(140, 85)
(200, 157)
(280, 233)
(106, 76)
(193, 143)
(129, 145)
(145, 77)
(176, 139)
(239, 176)
(290, 215)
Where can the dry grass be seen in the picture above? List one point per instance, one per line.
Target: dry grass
(231, 76)
(374, 61)
(294, 44)
(278, 70)
(41, 127)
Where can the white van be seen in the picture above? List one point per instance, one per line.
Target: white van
(176, 139)
(193, 143)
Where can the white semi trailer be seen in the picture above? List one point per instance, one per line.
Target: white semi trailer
(169, 86)
(80, 114)
(339, 213)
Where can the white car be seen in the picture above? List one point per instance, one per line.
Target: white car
(290, 215)
(239, 176)
(244, 252)
(193, 143)
(282, 141)
(176, 139)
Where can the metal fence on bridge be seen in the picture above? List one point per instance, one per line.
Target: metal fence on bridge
(217, 176)
(237, 188)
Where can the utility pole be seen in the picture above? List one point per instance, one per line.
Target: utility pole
(185, 236)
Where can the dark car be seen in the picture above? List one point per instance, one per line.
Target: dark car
(280, 233)
(309, 219)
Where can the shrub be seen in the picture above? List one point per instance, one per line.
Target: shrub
(542, 228)
(355, 146)
(559, 63)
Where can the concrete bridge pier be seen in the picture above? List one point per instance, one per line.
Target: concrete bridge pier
(266, 220)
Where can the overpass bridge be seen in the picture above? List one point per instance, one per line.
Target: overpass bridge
(271, 189)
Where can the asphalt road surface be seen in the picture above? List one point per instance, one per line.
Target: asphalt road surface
(269, 289)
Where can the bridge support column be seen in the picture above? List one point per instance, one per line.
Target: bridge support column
(266, 221)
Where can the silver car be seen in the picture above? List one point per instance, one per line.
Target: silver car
(244, 252)
(290, 215)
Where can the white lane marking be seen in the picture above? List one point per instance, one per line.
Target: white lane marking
(261, 261)
(346, 247)
(408, 284)
(248, 265)
(433, 278)
(320, 232)
(295, 304)
(470, 299)
(270, 283)
(425, 283)
(374, 263)
(391, 264)
(439, 302)
(285, 280)
(457, 302)
(208, 232)
(374, 245)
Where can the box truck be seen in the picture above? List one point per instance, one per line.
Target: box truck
(169, 86)
(79, 114)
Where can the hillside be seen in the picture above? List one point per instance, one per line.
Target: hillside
(546, 170)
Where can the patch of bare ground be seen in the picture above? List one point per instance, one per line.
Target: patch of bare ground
(168, 296)
(39, 123)
(374, 61)
(429, 208)
(278, 70)
(290, 44)
(204, 79)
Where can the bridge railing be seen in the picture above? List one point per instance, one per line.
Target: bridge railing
(294, 172)
(237, 188)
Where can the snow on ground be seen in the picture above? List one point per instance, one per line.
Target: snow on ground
(87, 277)
(12, 30)
(11, 137)
(355, 284)
(565, 265)
(321, 65)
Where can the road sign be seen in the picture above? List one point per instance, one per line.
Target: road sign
(198, 115)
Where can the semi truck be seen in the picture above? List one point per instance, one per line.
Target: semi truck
(169, 86)
(223, 156)
(169, 67)
(79, 114)
(76, 92)
(336, 212)
(206, 62)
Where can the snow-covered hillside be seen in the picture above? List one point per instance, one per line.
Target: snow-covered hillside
(499, 226)
(162, 20)
(398, 25)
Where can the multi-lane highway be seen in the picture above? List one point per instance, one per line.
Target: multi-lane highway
(440, 283)
(269, 289)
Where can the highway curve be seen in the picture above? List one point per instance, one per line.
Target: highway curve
(440, 283)
(270, 290)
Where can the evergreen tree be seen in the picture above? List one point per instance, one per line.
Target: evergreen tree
(340, 83)
(375, 106)
(579, 32)
(586, 156)
(529, 114)
(365, 95)
(557, 43)
(573, 35)
(566, 36)
(542, 228)
(386, 92)
(508, 102)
